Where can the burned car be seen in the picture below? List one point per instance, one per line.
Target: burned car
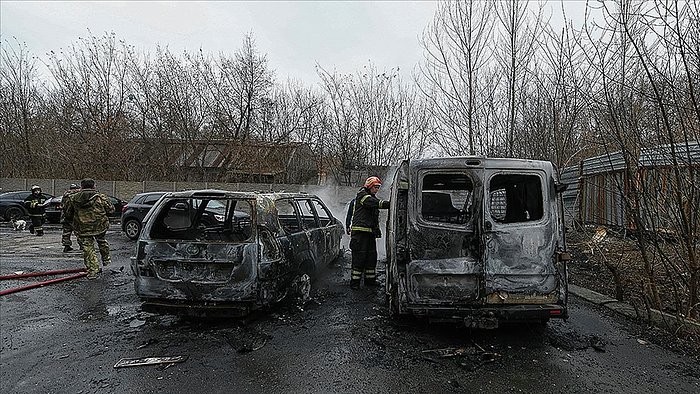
(206, 252)
(476, 239)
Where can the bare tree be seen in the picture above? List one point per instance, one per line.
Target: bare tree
(457, 50)
(90, 89)
(20, 101)
(518, 43)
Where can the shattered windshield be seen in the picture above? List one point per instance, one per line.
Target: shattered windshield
(212, 219)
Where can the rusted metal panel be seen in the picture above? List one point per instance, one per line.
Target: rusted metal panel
(665, 178)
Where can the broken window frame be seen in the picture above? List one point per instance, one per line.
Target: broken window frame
(543, 207)
(308, 215)
(467, 211)
(221, 231)
(283, 218)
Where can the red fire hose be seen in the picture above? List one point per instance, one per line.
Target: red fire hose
(44, 283)
(42, 273)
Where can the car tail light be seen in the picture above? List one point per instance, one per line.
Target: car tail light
(124, 209)
(555, 312)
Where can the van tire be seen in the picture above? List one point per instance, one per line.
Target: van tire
(392, 302)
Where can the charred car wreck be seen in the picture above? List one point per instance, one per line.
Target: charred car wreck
(477, 239)
(210, 251)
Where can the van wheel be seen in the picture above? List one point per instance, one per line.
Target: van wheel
(392, 302)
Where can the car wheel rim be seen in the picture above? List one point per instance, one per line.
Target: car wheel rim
(132, 229)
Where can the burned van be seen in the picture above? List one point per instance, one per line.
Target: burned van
(220, 252)
(476, 239)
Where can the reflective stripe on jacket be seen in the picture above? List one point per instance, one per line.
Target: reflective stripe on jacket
(366, 212)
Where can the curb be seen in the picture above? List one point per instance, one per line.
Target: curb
(656, 318)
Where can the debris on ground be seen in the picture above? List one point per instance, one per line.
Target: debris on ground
(136, 362)
(446, 352)
(136, 323)
(147, 343)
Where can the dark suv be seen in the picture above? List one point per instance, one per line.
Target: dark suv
(12, 204)
(135, 210)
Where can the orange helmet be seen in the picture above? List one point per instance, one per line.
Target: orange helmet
(372, 181)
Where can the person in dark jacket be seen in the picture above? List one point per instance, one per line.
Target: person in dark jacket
(87, 210)
(36, 203)
(364, 231)
(348, 216)
(66, 224)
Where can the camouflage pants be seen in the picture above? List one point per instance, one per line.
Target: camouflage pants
(87, 242)
(65, 236)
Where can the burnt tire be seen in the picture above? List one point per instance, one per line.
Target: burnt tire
(132, 229)
(13, 213)
(392, 302)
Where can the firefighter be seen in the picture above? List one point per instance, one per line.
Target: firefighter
(36, 203)
(364, 231)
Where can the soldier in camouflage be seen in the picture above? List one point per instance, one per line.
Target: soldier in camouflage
(66, 224)
(87, 210)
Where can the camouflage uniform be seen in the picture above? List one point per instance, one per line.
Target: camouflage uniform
(87, 210)
(67, 225)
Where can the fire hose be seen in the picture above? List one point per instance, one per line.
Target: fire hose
(81, 273)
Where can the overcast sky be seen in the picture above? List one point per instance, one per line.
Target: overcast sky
(295, 35)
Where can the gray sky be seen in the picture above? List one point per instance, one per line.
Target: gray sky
(295, 35)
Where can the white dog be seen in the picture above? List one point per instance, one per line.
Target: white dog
(18, 224)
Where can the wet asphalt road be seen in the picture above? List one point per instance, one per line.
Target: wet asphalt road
(66, 338)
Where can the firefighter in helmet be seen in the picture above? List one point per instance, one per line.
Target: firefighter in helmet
(35, 204)
(364, 231)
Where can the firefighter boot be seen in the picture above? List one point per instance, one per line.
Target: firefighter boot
(355, 277)
(370, 277)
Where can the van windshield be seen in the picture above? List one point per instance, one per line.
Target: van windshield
(215, 219)
(446, 198)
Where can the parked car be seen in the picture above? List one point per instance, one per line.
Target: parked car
(480, 240)
(55, 207)
(12, 204)
(209, 251)
(135, 210)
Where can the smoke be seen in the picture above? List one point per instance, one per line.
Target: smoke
(337, 199)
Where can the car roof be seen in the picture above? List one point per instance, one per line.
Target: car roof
(216, 193)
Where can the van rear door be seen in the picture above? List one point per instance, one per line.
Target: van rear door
(518, 237)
